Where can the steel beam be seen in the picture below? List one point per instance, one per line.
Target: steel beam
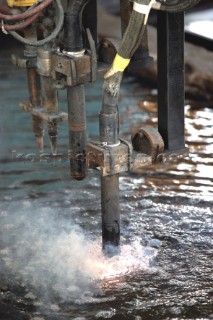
(170, 29)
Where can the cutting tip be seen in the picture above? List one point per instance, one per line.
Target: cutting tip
(53, 144)
(40, 143)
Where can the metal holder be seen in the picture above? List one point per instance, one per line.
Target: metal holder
(72, 69)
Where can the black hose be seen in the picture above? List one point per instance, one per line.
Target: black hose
(53, 35)
(129, 44)
(73, 40)
(177, 5)
(133, 35)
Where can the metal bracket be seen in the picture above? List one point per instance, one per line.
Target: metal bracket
(148, 140)
(42, 114)
(115, 159)
(23, 62)
(92, 55)
(76, 70)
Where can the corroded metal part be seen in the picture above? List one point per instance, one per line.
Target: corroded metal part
(173, 156)
(77, 131)
(41, 113)
(148, 140)
(139, 161)
(44, 62)
(76, 70)
(111, 160)
(93, 56)
(23, 62)
(110, 214)
(35, 99)
(53, 135)
(115, 159)
(51, 107)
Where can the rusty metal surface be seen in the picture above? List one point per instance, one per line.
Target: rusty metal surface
(75, 70)
(44, 64)
(41, 112)
(110, 214)
(115, 159)
(35, 100)
(93, 56)
(77, 131)
(34, 87)
(149, 141)
(23, 62)
(111, 160)
(50, 95)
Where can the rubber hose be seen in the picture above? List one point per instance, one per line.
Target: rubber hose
(73, 40)
(177, 5)
(53, 35)
(22, 24)
(133, 34)
(30, 12)
(75, 6)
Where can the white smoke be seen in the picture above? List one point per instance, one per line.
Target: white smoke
(45, 251)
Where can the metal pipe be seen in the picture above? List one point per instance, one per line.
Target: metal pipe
(34, 87)
(77, 131)
(110, 214)
(73, 42)
(108, 120)
(51, 106)
(109, 129)
(50, 94)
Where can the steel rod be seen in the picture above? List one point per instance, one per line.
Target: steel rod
(51, 106)
(77, 131)
(34, 86)
(110, 214)
(109, 129)
(35, 97)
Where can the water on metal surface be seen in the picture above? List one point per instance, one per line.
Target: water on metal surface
(51, 264)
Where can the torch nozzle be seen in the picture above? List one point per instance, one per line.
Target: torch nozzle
(38, 131)
(53, 134)
(40, 143)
